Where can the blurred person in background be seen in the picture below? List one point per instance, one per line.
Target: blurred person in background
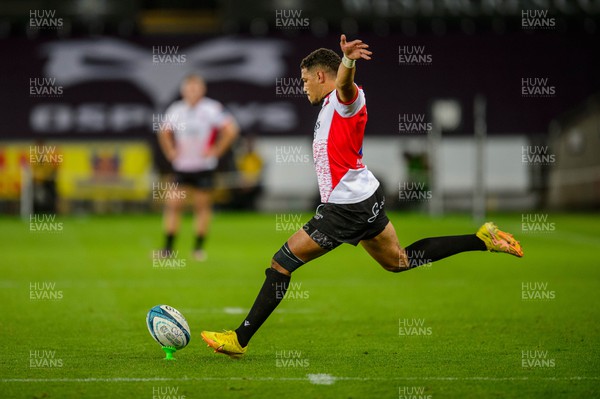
(44, 172)
(250, 166)
(197, 132)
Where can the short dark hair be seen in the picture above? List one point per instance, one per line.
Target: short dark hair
(322, 57)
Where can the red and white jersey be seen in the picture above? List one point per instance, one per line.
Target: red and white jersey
(195, 129)
(337, 151)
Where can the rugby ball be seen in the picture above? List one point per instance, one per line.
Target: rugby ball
(168, 327)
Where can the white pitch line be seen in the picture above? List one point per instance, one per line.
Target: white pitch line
(575, 378)
(152, 379)
(309, 378)
(321, 379)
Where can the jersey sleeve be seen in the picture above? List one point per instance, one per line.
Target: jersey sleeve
(220, 115)
(170, 116)
(349, 109)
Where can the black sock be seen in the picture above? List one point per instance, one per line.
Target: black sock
(436, 248)
(199, 242)
(271, 293)
(169, 242)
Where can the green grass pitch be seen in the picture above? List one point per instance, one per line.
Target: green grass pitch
(475, 325)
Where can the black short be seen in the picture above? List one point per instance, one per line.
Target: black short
(203, 180)
(335, 224)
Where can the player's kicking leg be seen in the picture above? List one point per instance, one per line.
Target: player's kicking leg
(386, 249)
(298, 250)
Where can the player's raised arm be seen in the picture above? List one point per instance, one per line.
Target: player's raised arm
(344, 82)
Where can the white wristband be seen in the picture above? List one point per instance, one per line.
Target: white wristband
(348, 63)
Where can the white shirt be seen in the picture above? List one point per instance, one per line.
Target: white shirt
(337, 151)
(195, 129)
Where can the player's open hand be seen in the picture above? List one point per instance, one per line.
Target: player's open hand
(355, 50)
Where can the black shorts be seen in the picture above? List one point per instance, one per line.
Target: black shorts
(335, 224)
(203, 180)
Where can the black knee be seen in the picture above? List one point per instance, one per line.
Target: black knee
(286, 259)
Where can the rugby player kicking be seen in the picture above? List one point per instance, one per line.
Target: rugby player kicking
(353, 202)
